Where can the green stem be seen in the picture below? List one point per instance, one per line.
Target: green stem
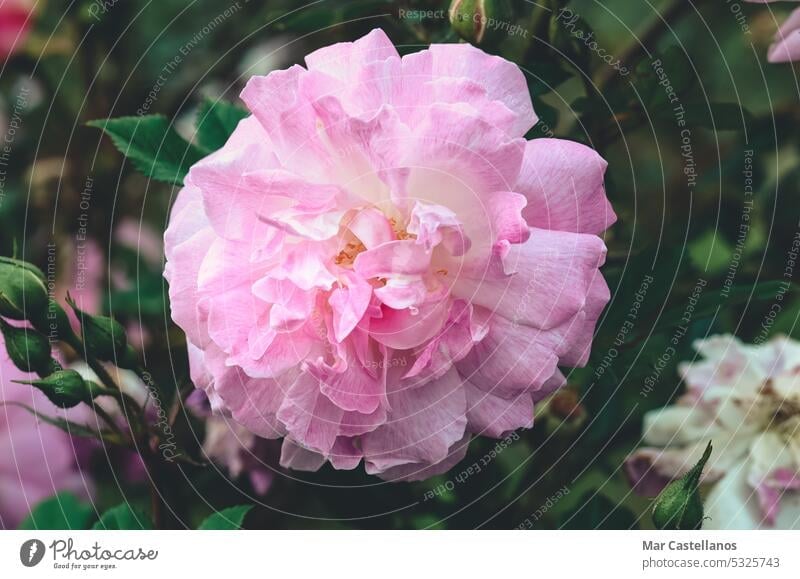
(123, 399)
(108, 419)
(537, 23)
(645, 40)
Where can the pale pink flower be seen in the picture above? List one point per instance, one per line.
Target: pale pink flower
(140, 237)
(230, 445)
(82, 278)
(378, 265)
(147, 243)
(37, 460)
(16, 19)
(786, 47)
(240, 451)
(746, 400)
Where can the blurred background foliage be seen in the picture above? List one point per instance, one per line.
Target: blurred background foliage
(92, 60)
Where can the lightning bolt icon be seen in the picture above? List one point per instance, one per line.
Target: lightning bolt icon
(34, 548)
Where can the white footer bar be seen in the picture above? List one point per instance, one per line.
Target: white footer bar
(401, 554)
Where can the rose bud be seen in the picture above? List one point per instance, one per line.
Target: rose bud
(65, 388)
(679, 506)
(57, 325)
(563, 413)
(472, 19)
(27, 348)
(103, 337)
(23, 293)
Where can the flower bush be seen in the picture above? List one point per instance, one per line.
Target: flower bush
(358, 264)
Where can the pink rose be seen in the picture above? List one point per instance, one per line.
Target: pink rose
(378, 265)
(15, 24)
(36, 460)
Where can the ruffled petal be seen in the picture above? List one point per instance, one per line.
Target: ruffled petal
(494, 416)
(542, 283)
(424, 424)
(563, 182)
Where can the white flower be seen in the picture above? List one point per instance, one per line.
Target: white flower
(746, 399)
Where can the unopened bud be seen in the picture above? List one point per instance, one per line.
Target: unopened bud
(474, 20)
(27, 348)
(65, 388)
(23, 294)
(566, 405)
(57, 324)
(103, 337)
(562, 413)
(679, 506)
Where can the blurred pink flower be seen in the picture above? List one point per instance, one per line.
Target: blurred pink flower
(237, 449)
(139, 236)
(786, 47)
(378, 265)
(82, 278)
(229, 444)
(36, 460)
(746, 400)
(16, 19)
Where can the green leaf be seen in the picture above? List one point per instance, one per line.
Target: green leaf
(216, 120)
(545, 77)
(710, 302)
(61, 512)
(123, 517)
(427, 522)
(678, 72)
(710, 252)
(71, 428)
(229, 519)
(152, 145)
(315, 17)
(645, 281)
(714, 116)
